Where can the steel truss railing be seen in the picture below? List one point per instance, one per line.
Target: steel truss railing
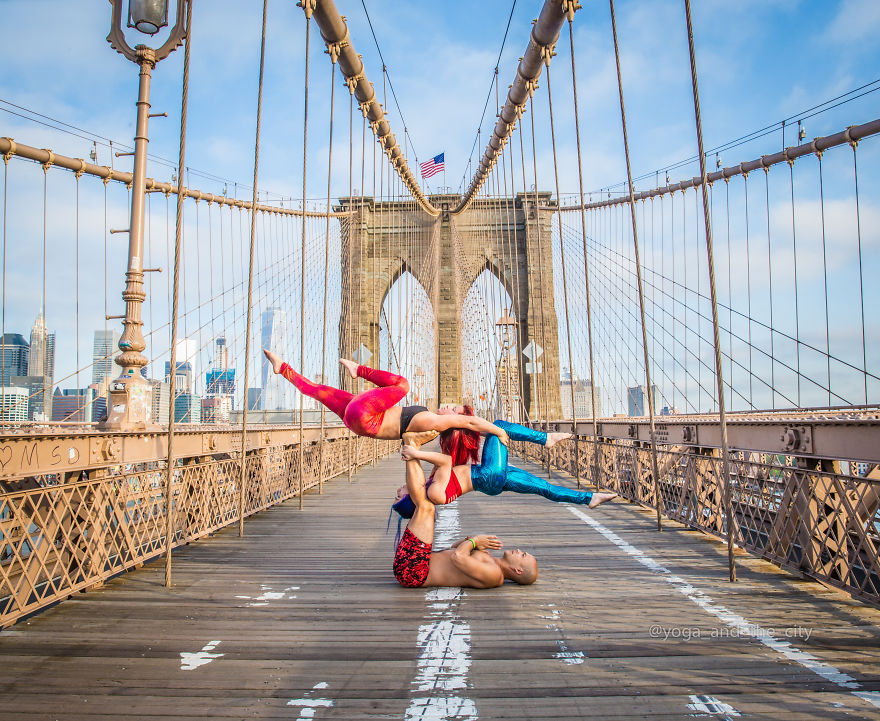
(806, 514)
(64, 532)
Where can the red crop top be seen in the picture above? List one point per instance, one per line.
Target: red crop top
(453, 488)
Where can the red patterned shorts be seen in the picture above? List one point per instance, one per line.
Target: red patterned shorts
(412, 561)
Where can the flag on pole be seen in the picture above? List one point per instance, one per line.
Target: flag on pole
(433, 166)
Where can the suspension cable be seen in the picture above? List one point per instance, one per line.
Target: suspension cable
(178, 243)
(710, 254)
(577, 131)
(564, 283)
(326, 271)
(632, 206)
(307, 6)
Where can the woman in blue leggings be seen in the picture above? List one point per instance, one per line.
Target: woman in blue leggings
(492, 475)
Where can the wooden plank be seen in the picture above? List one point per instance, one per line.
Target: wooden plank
(328, 611)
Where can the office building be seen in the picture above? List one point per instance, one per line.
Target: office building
(35, 388)
(105, 350)
(583, 396)
(636, 400)
(161, 401)
(216, 409)
(15, 350)
(13, 404)
(73, 405)
(41, 359)
(276, 390)
(220, 378)
(254, 399)
(183, 377)
(187, 408)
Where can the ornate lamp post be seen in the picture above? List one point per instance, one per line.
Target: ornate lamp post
(130, 406)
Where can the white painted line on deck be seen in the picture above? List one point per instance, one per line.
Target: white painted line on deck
(444, 643)
(191, 661)
(267, 595)
(309, 705)
(572, 658)
(711, 706)
(742, 626)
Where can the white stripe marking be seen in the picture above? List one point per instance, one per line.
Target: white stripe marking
(191, 661)
(572, 658)
(311, 705)
(444, 643)
(734, 620)
(711, 705)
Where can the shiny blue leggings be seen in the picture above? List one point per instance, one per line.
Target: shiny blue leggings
(493, 475)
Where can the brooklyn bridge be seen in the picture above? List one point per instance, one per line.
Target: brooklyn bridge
(185, 534)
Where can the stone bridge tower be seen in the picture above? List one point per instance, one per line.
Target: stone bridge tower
(505, 236)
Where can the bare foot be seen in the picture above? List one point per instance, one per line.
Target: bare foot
(411, 438)
(274, 360)
(554, 438)
(350, 366)
(600, 498)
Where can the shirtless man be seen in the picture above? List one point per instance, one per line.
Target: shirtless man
(467, 563)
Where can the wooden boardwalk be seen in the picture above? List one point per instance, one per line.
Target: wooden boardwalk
(303, 620)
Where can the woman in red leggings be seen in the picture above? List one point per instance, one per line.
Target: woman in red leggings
(374, 413)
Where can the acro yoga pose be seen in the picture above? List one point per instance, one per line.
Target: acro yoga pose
(374, 413)
(492, 476)
(465, 564)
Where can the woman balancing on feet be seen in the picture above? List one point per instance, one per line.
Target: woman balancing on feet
(457, 470)
(374, 413)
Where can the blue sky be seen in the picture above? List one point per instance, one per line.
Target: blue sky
(759, 61)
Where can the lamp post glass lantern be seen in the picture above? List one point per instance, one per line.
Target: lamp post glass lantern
(129, 407)
(148, 16)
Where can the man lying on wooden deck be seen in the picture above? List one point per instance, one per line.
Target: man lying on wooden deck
(467, 563)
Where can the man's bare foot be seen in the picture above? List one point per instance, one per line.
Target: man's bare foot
(350, 366)
(274, 360)
(417, 440)
(600, 498)
(554, 438)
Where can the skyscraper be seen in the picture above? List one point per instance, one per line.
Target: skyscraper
(583, 396)
(220, 379)
(15, 350)
(41, 365)
(73, 405)
(14, 404)
(183, 377)
(41, 359)
(275, 389)
(105, 349)
(161, 400)
(636, 400)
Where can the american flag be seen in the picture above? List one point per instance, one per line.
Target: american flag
(433, 166)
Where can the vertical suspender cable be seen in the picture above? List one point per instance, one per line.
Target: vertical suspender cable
(632, 208)
(326, 269)
(577, 131)
(725, 458)
(544, 388)
(854, 145)
(6, 157)
(250, 291)
(307, 6)
(350, 324)
(564, 283)
(175, 293)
